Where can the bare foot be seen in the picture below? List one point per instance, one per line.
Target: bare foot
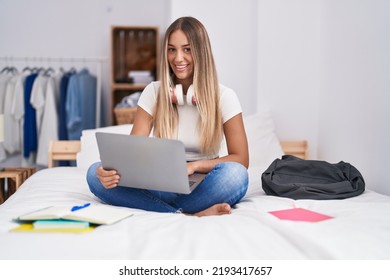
(216, 209)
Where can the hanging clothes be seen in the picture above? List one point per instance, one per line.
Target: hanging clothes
(30, 139)
(37, 98)
(57, 77)
(40, 105)
(80, 103)
(4, 78)
(13, 123)
(49, 125)
(62, 128)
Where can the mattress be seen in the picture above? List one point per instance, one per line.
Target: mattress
(359, 229)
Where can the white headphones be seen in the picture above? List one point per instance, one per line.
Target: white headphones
(177, 96)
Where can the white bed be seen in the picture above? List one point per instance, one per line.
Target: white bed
(360, 228)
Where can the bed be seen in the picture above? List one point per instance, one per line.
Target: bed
(359, 229)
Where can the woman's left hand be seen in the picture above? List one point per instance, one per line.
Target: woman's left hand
(191, 168)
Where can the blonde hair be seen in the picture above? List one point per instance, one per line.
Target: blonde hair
(205, 83)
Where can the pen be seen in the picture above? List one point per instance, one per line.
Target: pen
(75, 208)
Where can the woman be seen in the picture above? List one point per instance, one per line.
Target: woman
(211, 112)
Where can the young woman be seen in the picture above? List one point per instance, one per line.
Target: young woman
(210, 112)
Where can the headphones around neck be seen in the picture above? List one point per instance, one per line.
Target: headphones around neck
(177, 96)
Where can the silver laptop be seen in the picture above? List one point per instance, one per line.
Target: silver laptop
(147, 163)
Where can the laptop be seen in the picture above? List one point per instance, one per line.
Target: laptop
(147, 162)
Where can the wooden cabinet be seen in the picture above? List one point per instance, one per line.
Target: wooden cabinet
(134, 57)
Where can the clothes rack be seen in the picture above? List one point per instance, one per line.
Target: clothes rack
(98, 60)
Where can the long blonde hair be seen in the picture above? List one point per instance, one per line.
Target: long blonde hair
(205, 83)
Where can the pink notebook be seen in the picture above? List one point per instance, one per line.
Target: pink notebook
(300, 214)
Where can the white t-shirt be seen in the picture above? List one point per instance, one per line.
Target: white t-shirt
(189, 115)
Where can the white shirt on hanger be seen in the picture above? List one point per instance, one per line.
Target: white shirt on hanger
(4, 78)
(49, 125)
(37, 99)
(12, 139)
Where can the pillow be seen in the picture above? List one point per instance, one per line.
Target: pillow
(264, 145)
(264, 148)
(89, 152)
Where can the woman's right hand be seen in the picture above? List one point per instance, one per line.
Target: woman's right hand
(108, 178)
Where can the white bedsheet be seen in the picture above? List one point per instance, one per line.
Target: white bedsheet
(360, 228)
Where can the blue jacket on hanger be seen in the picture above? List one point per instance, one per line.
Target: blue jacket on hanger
(62, 129)
(81, 104)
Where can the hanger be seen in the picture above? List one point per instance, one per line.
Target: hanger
(40, 70)
(5, 69)
(49, 71)
(13, 70)
(72, 70)
(25, 69)
(8, 69)
(35, 69)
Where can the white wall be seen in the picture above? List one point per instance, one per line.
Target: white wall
(354, 102)
(288, 54)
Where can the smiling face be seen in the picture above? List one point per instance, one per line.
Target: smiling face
(180, 58)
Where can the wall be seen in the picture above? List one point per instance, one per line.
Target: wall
(355, 86)
(288, 49)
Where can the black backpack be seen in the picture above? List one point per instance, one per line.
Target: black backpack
(296, 178)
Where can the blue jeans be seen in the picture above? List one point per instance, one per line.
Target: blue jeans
(226, 182)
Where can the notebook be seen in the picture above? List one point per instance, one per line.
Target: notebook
(147, 162)
(100, 214)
